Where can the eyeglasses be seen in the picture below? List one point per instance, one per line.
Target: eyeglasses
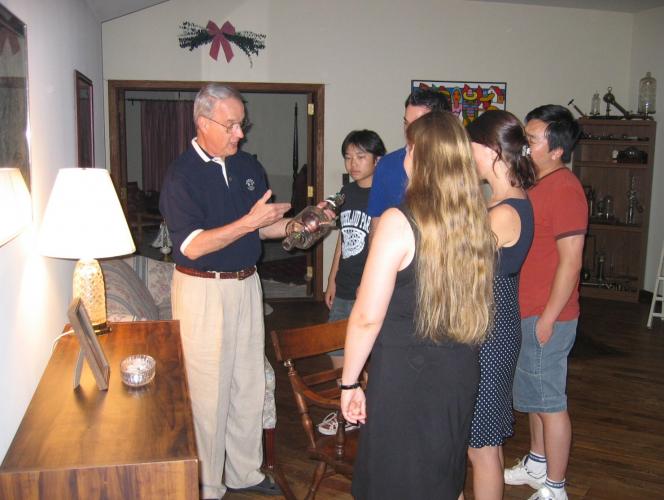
(233, 127)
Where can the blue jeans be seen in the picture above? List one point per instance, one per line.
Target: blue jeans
(340, 309)
(541, 372)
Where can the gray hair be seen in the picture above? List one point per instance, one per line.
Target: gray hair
(208, 96)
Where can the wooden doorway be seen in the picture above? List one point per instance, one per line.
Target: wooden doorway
(315, 94)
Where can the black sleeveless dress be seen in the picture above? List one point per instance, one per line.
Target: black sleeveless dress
(420, 401)
(493, 419)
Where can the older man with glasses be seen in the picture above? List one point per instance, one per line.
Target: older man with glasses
(215, 202)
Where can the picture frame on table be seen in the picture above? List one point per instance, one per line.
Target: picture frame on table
(91, 349)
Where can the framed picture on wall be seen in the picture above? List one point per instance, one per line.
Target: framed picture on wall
(84, 120)
(468, 99)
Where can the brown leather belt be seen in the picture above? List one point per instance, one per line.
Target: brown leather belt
(219, 275)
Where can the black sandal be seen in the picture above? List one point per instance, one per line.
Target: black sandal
(266, 487)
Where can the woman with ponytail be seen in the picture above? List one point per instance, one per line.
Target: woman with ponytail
(423, 307)
(501, 153)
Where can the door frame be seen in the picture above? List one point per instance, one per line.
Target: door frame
(315, 136)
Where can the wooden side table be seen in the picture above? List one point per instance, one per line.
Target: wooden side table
(118, 444)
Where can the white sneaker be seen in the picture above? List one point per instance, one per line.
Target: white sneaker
(546, 493)
(330, 423)
(519, 474)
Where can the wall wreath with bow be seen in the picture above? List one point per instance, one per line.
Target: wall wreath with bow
(193, 36)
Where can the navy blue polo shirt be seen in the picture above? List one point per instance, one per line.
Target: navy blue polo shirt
(195, 196)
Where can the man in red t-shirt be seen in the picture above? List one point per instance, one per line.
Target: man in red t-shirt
(549, 302)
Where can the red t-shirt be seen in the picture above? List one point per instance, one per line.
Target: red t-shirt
(560, 210)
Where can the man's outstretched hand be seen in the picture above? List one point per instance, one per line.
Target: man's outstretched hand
(264, 214)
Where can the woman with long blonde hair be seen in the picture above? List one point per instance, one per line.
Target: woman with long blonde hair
(423, 307)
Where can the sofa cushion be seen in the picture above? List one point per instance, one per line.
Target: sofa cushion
(157, 276)
(127, 297)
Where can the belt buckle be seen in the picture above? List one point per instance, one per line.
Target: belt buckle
(241, 275)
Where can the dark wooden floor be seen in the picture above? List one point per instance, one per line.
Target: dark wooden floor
(616, 401)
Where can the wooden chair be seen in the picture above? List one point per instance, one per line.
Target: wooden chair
(334, 454)
(138, 216)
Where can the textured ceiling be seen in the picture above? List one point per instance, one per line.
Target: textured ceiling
(105, 10)
(609, 5)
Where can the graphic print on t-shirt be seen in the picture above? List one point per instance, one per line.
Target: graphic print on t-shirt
(355, 226)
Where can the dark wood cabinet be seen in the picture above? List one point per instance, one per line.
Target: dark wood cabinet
(614, 161)
(117, 444)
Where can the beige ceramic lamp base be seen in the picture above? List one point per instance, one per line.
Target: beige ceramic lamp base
(89, 286)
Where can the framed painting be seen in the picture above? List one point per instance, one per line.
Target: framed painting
(84, 120)
(468, 99)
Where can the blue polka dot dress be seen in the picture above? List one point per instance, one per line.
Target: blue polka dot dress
(493, 419)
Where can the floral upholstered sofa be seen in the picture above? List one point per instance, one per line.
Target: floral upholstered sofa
(138, 288)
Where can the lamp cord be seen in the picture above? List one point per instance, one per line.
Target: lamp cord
(55, 341)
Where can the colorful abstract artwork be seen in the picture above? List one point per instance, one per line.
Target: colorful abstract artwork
(468, 99)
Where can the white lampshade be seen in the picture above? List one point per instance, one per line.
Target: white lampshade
(15, 204)
(83, 218)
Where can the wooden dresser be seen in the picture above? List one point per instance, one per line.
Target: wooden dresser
(118, 444)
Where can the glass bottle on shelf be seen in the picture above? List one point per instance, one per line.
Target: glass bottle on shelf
(647, 92)
(311, 224)
(608, 208)
(600, 211)
(633, 203)
(601, 258)
(595, 104)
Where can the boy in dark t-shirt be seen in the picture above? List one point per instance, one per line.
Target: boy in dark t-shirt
(361, 150)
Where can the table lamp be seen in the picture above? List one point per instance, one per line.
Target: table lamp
(84, 220)
(15, 204)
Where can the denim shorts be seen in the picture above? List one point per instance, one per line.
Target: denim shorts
(340, 309)
(541, 371)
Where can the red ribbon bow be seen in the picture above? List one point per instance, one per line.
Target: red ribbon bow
(220, 39)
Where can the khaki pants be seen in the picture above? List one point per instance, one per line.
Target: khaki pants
(223, 338)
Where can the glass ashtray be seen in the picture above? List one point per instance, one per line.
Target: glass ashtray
(137, 370)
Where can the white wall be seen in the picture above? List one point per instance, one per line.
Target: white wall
(35, 292)
(367, 52)
(647, 55)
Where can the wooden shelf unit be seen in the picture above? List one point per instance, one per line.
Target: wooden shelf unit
(622, 246)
